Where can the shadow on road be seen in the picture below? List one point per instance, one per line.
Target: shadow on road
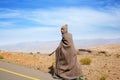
(51, 70)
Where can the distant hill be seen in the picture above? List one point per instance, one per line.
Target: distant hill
(88, 43)
(49, 46)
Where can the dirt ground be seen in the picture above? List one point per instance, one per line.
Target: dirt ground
(105, 63)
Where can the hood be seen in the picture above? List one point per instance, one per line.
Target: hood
(65, 27)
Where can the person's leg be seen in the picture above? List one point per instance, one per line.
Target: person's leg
(56, 76)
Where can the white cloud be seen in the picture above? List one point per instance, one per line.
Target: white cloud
(8, 13)
(75, 16)
(83, 23)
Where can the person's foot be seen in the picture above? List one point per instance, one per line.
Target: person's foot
(56, 77)
(80, 78)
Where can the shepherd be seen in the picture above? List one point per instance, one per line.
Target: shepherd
(67, 66)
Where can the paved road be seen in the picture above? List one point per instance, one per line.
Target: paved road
(9, 71)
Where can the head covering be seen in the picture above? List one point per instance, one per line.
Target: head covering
(65, 27)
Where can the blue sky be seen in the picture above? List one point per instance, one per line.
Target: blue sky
(41, 20)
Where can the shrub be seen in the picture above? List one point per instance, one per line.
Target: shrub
(86, 61)
(117, 55)
(103, 78)
(38, 52)
(31, 53)
(53, 64)
(1, 57)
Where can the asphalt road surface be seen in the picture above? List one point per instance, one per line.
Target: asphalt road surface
(9, 71)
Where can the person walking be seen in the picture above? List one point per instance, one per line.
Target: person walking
(67, 66)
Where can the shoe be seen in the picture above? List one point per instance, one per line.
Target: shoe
(80, 78)
(56, 77)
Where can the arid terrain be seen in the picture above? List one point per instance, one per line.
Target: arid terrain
(104, 65)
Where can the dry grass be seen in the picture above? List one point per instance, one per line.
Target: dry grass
(85, 61)
(102, 64)
(103, 77)
(36, 61)
(1, 57)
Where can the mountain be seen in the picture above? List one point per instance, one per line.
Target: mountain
(49, 46)
(87, 43)
(35, 46)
